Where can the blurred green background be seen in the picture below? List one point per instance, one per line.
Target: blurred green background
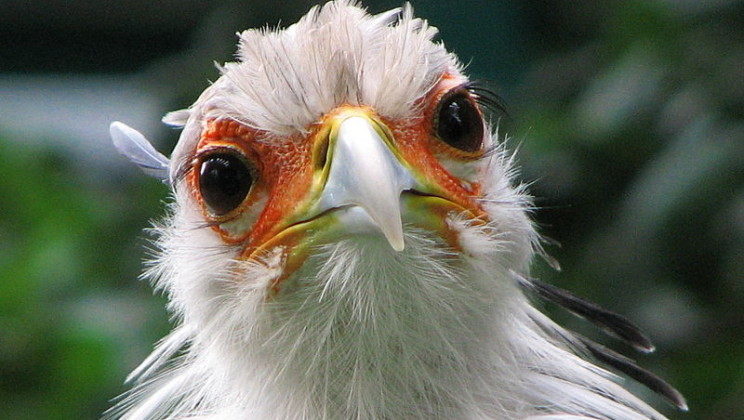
(629, 117)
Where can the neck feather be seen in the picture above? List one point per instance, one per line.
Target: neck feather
(362, 331)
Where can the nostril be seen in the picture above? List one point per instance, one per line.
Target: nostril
(321, 154)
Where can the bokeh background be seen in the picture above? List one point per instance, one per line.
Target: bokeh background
(629, 117)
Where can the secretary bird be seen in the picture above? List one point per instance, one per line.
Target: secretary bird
(347, 241)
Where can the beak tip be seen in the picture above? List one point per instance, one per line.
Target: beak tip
(395, 238)
(391, 226)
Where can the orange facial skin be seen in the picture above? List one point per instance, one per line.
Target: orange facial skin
(286, 177)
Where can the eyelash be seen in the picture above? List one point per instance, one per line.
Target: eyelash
(486, 97)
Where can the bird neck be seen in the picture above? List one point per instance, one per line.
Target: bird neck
(362, 331)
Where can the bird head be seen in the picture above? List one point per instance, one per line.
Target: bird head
(344, 128)
(347, 241)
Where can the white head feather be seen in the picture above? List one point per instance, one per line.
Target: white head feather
(365, 333)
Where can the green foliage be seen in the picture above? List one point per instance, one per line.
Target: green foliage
(67, 323)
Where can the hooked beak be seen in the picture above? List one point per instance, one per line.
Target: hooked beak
(363, 177)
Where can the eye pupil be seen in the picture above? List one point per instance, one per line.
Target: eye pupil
(224, 182)
(459, 124)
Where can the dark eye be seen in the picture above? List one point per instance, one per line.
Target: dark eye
(459, 123)
(224, 181)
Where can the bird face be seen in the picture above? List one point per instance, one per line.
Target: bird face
(352, 172)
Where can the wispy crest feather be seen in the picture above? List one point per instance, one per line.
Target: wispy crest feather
(134, 146)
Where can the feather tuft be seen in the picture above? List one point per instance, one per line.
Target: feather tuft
(630, 368)
(177, 118)
(611, 322)
(131, 144)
